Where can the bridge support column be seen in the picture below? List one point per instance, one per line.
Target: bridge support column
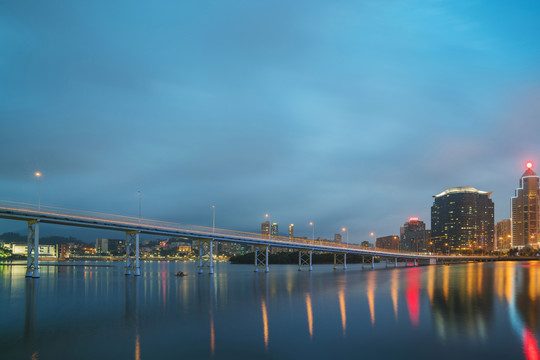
(340, 261)
(261, 258)
(206, 255)
(32, 243)
(362, 262)
(415, 262)
(395, 262)
(304, 259)
(133, 265)
(373, 262)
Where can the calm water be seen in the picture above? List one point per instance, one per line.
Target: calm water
(469, 311)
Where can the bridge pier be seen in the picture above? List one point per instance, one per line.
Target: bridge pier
(206, 255)
(133, 266)
(395, 262)
(32, 243)
(373, 262)
(261, 258)
(304, 259)
(340, 261)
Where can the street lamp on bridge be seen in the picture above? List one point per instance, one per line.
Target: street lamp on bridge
(313, 231)
(38, 175)
(346, 231)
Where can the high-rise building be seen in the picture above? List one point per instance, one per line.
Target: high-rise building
(503, 234)
(390, 242)
(337, 238)
(462, 220)
(526, 210)
(265, 228)
(291, 231)
(274, 229)
(102, 246)
(414, 236)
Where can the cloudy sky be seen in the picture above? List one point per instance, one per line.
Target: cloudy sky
(344, 113)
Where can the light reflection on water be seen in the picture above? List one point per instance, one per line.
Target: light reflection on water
(474, 310)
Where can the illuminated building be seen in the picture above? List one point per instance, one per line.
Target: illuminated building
(291, 231)
(390, 242)
(265, 228)
(365, 244)
(414, 236)
(503, 234)
(274, 229)
(337, 238)
(102, 246)
(462, 220)
(525, 210)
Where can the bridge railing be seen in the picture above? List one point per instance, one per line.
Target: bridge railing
(204, 231)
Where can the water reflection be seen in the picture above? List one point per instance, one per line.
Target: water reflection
(413, 294)
(131, 288)
(394, 288)
(342, 309)
(309, 315)
(372, 276)
(30, 306)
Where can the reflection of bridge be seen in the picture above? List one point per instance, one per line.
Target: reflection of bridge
(133, 226)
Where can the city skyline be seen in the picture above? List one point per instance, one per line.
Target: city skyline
(293, 110)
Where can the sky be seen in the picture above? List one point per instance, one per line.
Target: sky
(345, 113)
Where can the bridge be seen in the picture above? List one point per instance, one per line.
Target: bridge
(133, 226)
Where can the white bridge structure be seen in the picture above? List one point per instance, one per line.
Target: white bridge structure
(133, 226)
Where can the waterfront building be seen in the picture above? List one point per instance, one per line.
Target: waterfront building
(44, 250)
(526, 210)
(462, 220)
(337, 238)
(291, 231)
(503, 234)
(365, 244)
(102, 246)
(390, 242)
(414, 236)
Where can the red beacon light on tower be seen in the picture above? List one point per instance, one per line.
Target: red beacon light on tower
(529, 165)
(411, 219)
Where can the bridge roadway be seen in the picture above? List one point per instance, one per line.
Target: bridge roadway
(133, 226)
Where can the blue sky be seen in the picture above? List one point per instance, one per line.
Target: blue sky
(345, 113)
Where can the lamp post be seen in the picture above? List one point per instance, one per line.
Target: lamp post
(139, 195)
(313, 231)
(373, 234)
(347, 231)
(38, 175)
(213, 218)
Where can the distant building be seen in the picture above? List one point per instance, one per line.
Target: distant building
(44, 250)
(365, 244)
(462, 220)
(337, 238)
(265, 228)
(526, 210)
(390, 242)
(274, 229)
(291, 231)
(414, 236)
(102, 246)
(503, 234)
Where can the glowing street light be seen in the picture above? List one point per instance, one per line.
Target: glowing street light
(313, 233)
(347, 231)
(38, 175)
(373, 234)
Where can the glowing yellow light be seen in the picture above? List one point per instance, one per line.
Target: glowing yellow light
(311, 223)
(343, 229)
(38, 174)
(371, 234)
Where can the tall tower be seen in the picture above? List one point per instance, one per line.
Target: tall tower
(462, 220)
(291, 231)
(525, 210)
(265, 228)
(414, 236)
(274, 229)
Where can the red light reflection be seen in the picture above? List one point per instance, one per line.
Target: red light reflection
(530, 346)
(413, 295)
